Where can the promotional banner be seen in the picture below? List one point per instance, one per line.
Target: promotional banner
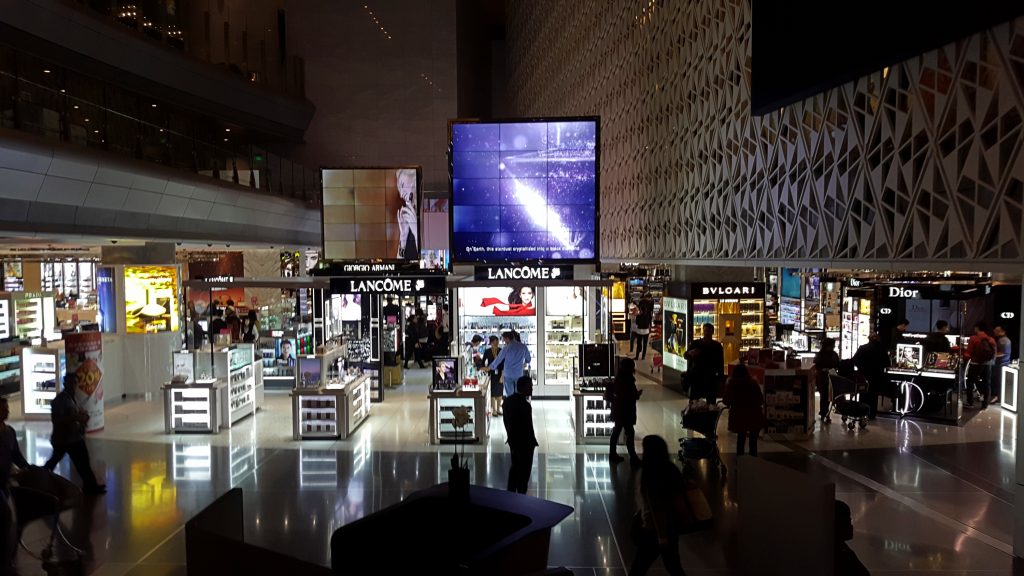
(84, 354)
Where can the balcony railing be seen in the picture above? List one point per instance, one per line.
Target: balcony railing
(94, 115)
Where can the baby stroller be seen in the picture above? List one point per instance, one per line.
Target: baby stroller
(846, 400)
(705, 423)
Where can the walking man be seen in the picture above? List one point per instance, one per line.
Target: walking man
(69, 436)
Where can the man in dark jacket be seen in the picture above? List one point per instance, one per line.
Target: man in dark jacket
(936, 341)
(706, 366)
(521, 440)
(871, 360)
(68, 436)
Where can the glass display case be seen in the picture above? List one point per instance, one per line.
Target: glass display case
(592, 415)
(212, 390)
(334, 408)
(737, 313)
(43, 371)
(5, 318)
(564, 331)
(10, 368)
(491, 311)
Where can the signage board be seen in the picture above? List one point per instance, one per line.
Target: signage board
(526, 272)
(388, 285)
(726, 290)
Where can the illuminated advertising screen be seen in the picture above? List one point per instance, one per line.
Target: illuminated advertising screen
(106, 300)
(524, 190)
(497, 301)
(151, 299)
(674, 328)
(371, 213)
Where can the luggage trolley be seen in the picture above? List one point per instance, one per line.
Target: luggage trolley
(846, 400)
(705, 423)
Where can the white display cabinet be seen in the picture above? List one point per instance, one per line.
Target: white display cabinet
(592, 417)
(332, 411)
(5, 318)
(442, 429)
(10, 367)
(1010, 379)
(43, 371)
(214, 390)
(193, 407)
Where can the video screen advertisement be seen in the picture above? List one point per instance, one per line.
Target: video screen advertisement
(525, 190)
(371, 213)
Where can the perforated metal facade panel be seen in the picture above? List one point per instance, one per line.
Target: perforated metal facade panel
(921, 163)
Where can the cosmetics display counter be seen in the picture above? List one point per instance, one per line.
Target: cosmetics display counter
(332, 410)
(10, 368)
(475, 399)
(1009, 379)
(927, 386)
(592, 416)
(42, 371)
(210, 391)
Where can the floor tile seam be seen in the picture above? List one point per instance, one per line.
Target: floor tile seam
(962, 479)
(615, 539)
(919, 507)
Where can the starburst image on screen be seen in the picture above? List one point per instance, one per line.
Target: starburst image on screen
(524, 191)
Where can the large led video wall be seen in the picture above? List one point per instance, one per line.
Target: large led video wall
(371, 213)
(524, 190)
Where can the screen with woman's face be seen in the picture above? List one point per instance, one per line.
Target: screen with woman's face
(371, 213)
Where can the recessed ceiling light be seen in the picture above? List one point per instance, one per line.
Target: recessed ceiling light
(225, 139)
(153, 105)
(46, 71)
(227, 129)
(75, 106)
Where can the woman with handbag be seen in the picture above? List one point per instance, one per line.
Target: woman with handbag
(661, 492)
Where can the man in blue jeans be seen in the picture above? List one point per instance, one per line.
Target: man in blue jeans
(514, 356)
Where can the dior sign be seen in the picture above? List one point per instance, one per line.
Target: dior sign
(901, 292)
(524, 273)
(1007, 315)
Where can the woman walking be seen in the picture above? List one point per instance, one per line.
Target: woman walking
(622, 396)
(661, 484)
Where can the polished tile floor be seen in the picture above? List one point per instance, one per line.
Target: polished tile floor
(926, 498)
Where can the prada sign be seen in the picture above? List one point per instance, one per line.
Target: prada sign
(388, 285)
(729, 290)
(523, 273)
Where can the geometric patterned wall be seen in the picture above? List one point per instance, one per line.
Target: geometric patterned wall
(922, 163)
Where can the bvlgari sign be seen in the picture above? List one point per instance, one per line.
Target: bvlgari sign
(388, 285)
(729, 290)
(523, 273)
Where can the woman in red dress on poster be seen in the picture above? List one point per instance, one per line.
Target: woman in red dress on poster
(519, 303)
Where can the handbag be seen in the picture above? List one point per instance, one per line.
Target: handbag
(693, 512)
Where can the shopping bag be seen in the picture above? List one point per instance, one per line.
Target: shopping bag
(693, 512)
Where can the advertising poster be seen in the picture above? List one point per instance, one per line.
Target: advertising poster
(106, 300)
(675, 331)
(151, 299)
(498, 301)
(371, 213)
(565, 300)
(524, 190)
(84, 356)
(446, 374)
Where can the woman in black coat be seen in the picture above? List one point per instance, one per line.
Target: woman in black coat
(622, 396)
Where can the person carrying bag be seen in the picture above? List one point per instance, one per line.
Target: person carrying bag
(667, 506)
